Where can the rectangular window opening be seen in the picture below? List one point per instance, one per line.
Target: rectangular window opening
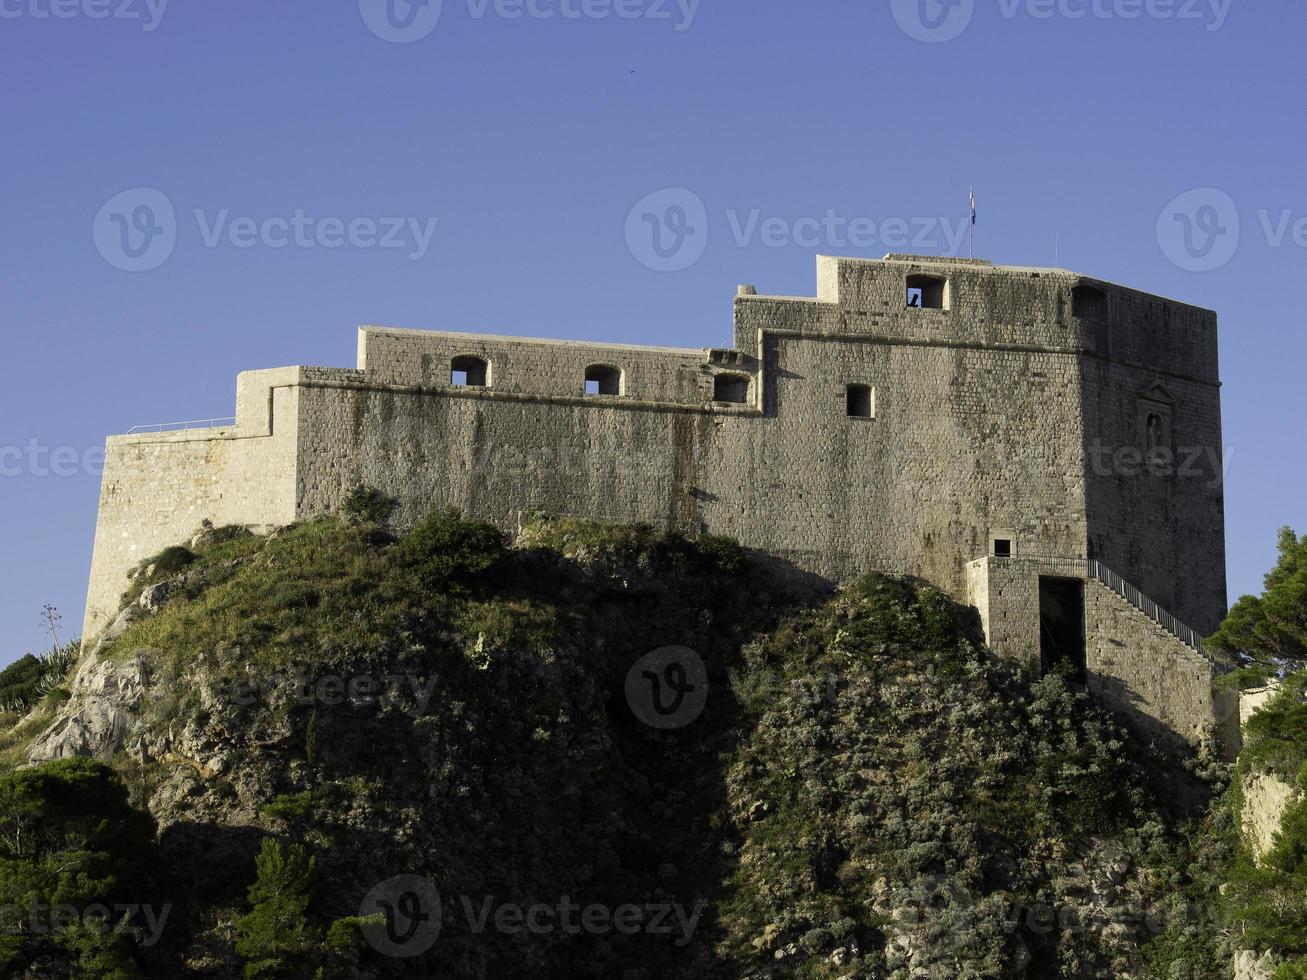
(860, 402)
(731, 388)
(927, 293)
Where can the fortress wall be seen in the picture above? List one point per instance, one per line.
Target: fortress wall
(158, 487)
(1141, 329)
(985, 305)
(985, 416)
(1160, 526)
(493, 457)
(964, 442)
(1166, 535)
(1029, 305)
(537, 367)
(992, 305)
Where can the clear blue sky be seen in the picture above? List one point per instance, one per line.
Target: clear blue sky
(531, 138)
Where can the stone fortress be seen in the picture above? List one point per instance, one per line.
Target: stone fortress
(1044, 446)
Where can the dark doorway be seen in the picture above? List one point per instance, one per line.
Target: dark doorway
(1062, 627)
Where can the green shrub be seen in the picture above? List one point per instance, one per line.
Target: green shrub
(446, 552)
(169, 561)
(294, 809)
(722, 553)
(345, 935)
(367, 505)
(1268, 899)
(18, 683)
(1276, 735)
(28, 680)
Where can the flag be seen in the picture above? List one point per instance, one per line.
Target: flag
(973, 205)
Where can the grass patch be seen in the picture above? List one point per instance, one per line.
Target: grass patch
(14, 741)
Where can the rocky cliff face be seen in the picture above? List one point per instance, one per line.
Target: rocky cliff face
(841, 786)
(1266, 798)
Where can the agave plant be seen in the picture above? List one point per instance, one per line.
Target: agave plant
(54, 666)
(57, 663)
(60, 660)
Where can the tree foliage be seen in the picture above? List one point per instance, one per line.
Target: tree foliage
(276, 937)
(279, 937)
(70, 840)
(1270, 631)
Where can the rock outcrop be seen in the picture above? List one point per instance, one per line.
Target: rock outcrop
(98, 718)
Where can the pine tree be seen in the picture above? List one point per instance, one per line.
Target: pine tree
(1270, 631)
(276, 937)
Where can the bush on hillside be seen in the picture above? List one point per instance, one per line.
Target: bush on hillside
(445, 552)
(368, 505)
(26, 681)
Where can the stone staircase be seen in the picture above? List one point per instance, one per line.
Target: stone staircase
(1185, 642)
(1190, 637)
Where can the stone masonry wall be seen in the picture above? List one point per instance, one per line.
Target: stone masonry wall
(158, 487)
(1006, 594)
(536, 367)
(1161, 526)
(915, 489)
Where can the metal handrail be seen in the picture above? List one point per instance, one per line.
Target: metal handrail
(182, 426)
(1131, 594)
(1096, 570)
(1079, 565)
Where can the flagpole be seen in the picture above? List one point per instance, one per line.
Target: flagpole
(971, 225)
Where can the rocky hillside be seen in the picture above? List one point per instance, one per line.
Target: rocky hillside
(444, 754)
